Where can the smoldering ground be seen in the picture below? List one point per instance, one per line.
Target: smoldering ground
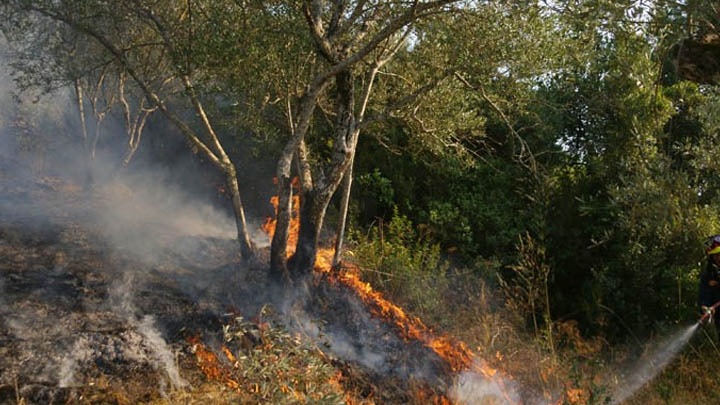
(103, 285)
(98, 285)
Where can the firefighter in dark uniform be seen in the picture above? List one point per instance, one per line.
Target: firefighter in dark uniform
(709, 288)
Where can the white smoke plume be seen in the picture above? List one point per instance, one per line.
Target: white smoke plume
(471, 388)
(69, 366)
(162, 357)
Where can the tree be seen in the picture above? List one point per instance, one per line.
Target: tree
(177, 49)
(147, 42)
(353, 42)
(624, 220)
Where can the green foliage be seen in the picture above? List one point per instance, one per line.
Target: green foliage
(399, 261)
(623, 219)
(470, 211)
(376, 189)
(282, 369)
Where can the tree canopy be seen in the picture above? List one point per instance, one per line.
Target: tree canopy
(585, 130)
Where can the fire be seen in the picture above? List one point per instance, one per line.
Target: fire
(424, 395)
(211, 366)
(457, 355)
(268, 226)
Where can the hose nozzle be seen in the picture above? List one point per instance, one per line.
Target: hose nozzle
(707, 314)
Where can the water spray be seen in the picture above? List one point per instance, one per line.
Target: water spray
(656, 360)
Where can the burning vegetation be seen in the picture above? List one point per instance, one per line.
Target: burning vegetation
(97, 310)
(107, 315)
(456, 355)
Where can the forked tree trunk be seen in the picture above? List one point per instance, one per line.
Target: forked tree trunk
(279, 244)
(315, 197)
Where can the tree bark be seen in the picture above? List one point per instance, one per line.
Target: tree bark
(278, 246)
(279, 243)
(315, 197)
(88, 181)
(246, 246)
(312, 212)
(344, 203)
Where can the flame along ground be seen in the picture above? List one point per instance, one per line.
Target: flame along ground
(458, 356)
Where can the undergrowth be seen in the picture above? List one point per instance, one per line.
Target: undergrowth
(507, 322)
(265, 364)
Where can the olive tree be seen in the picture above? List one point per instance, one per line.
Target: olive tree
(148, 42)
(306, 70)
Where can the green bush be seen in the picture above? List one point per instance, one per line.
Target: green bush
(397, 260)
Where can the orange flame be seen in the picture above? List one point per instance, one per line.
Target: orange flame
(424, 395)
(457, 355)
(268, 226)
(211, 366)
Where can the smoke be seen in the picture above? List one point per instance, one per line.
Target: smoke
(139, 341)
(140, 214)
(352, 333)
(69, 365)
(161, 356)
(471, 388)
(139, 219)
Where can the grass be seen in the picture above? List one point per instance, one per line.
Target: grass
(551, 362)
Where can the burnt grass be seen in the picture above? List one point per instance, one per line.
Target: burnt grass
(88, 317)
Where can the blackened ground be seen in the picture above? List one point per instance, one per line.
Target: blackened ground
(86, 319)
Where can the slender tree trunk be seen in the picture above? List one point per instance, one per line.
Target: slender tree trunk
(135, 133)
(98, 131)
(279, 243)
(88, 181)
(344, 203)
(246, 246)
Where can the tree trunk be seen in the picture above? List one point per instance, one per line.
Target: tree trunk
(315, 198)
(344, 202)
(313, 206)
(246, 247)
(88, 181)
(279, 243)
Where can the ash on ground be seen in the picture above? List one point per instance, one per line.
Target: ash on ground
(98, 305)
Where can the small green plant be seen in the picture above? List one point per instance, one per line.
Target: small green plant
(273, 367)
(398, 260)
